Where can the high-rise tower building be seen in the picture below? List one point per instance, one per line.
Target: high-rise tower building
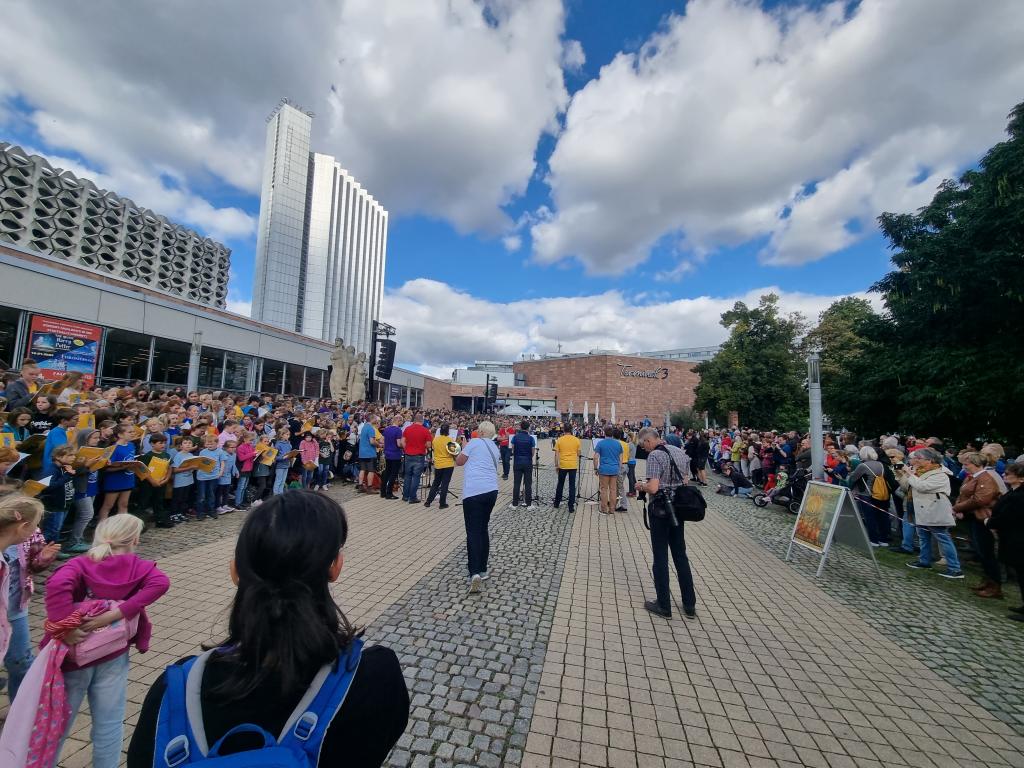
(322, 240)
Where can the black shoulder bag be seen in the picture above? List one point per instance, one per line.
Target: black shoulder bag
(686, 503)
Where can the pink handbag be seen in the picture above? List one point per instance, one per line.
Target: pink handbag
(105, 641)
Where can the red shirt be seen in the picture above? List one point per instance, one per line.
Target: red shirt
(504, 434)
(417, 437)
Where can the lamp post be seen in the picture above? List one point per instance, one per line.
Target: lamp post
(817, 430)
(194, 361)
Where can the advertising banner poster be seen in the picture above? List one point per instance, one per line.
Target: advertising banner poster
(64, 346)
(818, 510)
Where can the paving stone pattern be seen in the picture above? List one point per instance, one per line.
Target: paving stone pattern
(473, 662)
(974, 648)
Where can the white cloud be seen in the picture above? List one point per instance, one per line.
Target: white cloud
(239, 306)
(512, 243)
(800, 124)
(436, 106)
(573, 57)
(453, 328)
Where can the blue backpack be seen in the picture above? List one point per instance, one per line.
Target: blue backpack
(181, 737)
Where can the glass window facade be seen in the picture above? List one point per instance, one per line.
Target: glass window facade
(236, 371)
(8, 336)
(314, 380)
(125, 356)
(211, 368)
(170, 361)
(293, 386)
(273, 377)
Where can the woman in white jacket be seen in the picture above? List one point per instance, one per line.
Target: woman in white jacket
(928, 484)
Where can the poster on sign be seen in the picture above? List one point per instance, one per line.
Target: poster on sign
(828, 513)
(64, 346)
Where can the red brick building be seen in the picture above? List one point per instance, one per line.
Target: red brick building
(639, 386)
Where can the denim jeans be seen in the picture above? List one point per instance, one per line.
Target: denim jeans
(19, 652)
(106, 685)
(744, 492)
(205, 501)
(946, 546)
(309, 476)
(280, 477)
(476, 512)
(564, 474)
(667, 538)
(323, 472)
(53, 520)
(84, 512)
(909, 529)
(413, 470)
(243, 484)
(876, 520)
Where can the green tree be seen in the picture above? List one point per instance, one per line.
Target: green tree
(956, 300)
(758, 371)
(686, 418)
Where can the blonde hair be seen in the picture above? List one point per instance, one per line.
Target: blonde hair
(116, 532)
(485, 429)
(16, 509)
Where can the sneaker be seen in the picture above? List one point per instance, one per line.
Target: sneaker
(475, 584)
(691, 613)
(918, 565)
(79, 548)
(621, 509)
(530, 508)
(656, 609)
(951, 574)
(485, 575)
(443, 506)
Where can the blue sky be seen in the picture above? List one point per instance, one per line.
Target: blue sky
(554, 170)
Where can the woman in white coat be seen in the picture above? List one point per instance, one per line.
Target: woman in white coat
(928, 483)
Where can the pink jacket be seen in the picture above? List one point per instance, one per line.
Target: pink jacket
(246, 453)
(125, 577)
(309, 450)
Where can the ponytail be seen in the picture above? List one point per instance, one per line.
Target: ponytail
(114, 533)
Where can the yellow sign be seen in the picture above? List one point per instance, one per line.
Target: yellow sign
(817, 511)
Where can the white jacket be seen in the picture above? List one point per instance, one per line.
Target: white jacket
(931, 497)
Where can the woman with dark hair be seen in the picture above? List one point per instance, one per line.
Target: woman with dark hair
(285, 633)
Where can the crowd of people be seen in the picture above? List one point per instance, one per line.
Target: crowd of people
(85, 470)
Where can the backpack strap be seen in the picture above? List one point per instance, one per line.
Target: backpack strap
(307, 726)
(177, 743)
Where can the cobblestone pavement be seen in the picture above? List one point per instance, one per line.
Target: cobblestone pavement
(967, 641)
(558, 664)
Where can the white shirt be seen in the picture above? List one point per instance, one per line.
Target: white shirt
(480, 473)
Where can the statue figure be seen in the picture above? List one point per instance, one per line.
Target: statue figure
(342, 361)
(357, 377)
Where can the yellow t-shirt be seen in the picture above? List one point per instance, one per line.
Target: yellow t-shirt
(625, 452)
(568, 449)
(442, 459)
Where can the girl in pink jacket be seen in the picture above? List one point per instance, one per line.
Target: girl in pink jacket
(110, 571)
(19, 518)
(309, 452)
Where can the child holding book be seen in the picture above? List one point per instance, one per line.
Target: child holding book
(58, 495)
(118, 477)
(184, 479)
(87, 486)
(229, 471)
(153, 492)
(207, 480)
(309, 455)
(261, 471)
(284, 461)
(245, 455)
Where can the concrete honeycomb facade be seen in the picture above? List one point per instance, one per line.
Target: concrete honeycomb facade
(52, 211)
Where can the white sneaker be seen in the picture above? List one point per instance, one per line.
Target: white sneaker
(513, 506)
(475, 584)
(530, 508)
(485, 575)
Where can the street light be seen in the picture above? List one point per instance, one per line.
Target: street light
(817, 430)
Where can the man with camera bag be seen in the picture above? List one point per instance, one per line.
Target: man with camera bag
(667, 469)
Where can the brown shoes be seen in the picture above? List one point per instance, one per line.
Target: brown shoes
(994, 591)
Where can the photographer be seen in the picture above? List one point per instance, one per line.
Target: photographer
(667, 468)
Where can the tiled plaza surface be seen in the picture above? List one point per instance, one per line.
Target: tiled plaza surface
(557, 663)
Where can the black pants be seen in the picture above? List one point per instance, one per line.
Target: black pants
(506, 456)
(986, 545)
(562, 475)
(440, 485)
(667, 538)
(391, 468)
(259, 484)
(181, 499)
(476, 511)
(519, 476)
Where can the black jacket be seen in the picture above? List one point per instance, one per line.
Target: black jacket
(60, 492)
(17, 394)
(1008, 520)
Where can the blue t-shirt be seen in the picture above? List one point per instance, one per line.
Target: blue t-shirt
(366, 447)
(120, 480)
(182, 479)
(610, 452)
(56, 437)
(210, 453)
(230, 467)
(522, 449)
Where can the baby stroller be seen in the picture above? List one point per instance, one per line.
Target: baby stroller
(787, 493)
